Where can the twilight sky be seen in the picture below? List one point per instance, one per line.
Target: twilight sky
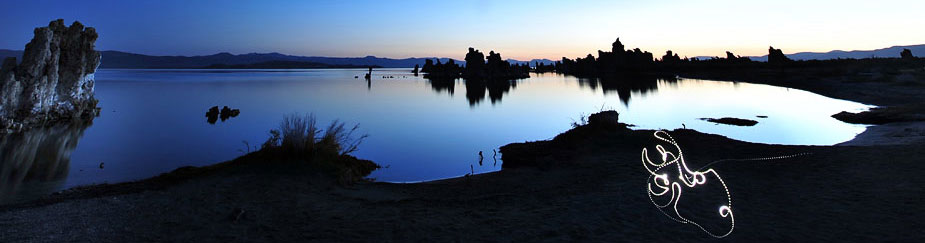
(518, 29)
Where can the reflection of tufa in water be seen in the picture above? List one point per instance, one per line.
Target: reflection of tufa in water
(35, 163)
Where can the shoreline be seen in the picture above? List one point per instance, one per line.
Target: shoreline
(591, 173)
(890, 133)
(899, 133)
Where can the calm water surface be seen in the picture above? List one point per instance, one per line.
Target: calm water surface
(152, 121)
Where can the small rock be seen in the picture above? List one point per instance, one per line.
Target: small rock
(604, 118)
(731, 121)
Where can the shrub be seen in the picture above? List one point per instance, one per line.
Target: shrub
(299, 135)
(300, 139)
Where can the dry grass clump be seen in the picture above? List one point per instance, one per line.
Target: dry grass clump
(299, 138)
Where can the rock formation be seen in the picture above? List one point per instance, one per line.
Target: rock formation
(616, 62)
(731, 121)
(776, 56)
(214, 114)
(477, 69)
(55, 79)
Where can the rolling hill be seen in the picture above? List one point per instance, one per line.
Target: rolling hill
(917, 50)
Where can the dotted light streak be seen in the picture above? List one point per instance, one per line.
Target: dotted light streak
(687, 177)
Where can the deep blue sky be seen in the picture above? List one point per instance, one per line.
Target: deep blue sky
(518, 29)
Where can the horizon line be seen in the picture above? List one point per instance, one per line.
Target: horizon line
(463, 59)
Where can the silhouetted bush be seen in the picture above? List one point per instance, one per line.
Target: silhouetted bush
(300, 135)
(300, 139)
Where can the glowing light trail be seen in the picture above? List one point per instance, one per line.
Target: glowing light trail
(686, 178)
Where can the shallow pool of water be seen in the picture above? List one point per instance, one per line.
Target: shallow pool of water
(153, 121)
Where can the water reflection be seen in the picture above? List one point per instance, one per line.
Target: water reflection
(36, 162)
(443, 85)
(625, 86)
(475, 90)
(416, 129)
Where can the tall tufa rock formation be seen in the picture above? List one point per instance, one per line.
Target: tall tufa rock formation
(55, 79)
(777, 57)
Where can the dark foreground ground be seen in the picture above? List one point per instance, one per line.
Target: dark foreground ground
(587, 184)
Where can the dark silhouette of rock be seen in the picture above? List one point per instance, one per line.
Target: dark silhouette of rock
(415, 71)
(477, 68)
(731, 121)
(369, 74)
(225, 113)
(428, 66)
(730, 56)
(614, 63)
(906, 54)
(540, 67)
(448, 71)
(605, 119)
(776, 56)
(475, 64)
(671, 58)
(212, 115)
(228, 113)
(55, 79)
(886, 114)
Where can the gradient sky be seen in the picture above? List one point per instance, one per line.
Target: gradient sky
(518, 29)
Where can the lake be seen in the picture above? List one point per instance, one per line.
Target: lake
(153, 121)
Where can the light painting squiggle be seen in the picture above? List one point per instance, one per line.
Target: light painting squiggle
(686, 178)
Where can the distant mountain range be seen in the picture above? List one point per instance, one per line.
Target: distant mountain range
(284, 65)
(118, 59)
(917, 50)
